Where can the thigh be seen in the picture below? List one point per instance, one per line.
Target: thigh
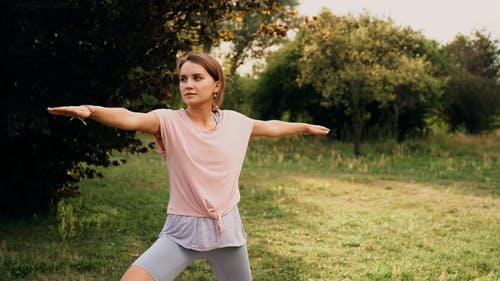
(230, 263)
(165, 259)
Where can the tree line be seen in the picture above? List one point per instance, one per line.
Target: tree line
(360, 76)
(368, 76)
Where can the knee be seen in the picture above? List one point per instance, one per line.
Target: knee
(136, 273)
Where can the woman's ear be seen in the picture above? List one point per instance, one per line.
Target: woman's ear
(218, 85)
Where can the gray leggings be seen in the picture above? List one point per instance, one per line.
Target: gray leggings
(165, 260)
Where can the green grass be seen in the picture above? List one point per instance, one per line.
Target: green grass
(421, 210)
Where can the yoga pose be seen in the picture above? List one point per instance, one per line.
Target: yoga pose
(204, 148)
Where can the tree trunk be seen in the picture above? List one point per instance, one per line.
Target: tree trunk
(357, 115)
(358, 127)
(395, 123)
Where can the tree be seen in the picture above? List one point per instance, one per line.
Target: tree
(360, 62)
(472, 98)
(279, 96)
(112, 53)
(250, 31)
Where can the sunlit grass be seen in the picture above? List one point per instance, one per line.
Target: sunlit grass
(419, 210)
(448, 160)
(370, 230)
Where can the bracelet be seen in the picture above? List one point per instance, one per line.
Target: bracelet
(79, 118)
(91, 110)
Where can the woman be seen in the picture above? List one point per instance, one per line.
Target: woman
(204, 148)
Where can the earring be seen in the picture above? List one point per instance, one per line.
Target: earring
(214, 105)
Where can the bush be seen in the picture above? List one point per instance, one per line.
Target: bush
(472, 103)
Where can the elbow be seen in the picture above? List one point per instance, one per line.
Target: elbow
(269, 129)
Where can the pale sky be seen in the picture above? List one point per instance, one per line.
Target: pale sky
(436, 19)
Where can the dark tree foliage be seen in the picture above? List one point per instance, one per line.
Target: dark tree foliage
(472, 99)
(279, 96)
(472, 103)
(63, 52)
(111, 53)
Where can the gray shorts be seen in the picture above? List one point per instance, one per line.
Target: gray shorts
(165, 260)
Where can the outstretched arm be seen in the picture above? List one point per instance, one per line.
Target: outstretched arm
(276, 128)
(116, 117)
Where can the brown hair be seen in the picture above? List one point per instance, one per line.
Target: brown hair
(212, 66)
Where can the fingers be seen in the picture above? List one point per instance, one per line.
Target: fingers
(63, 111)
(55, 110)
(318, 130)
(69, 111)
(323, 130)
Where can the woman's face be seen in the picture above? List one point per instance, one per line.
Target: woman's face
(196, 85)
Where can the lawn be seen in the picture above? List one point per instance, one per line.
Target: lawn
(425, 209)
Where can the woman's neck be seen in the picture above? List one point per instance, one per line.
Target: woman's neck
(203, 118)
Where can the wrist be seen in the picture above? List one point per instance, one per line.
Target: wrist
(305, 128)
(90, 108)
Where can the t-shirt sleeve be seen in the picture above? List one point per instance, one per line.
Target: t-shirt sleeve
(245, 124)
(161, 137)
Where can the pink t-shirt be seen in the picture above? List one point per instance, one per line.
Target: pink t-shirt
(203, 165)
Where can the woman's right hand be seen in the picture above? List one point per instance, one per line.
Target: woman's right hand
(81, 111)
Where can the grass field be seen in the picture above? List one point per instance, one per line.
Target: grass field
(421, 210)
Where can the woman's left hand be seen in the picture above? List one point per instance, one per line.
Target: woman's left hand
(316, 130)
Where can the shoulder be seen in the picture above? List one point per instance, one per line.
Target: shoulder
(234, 114)
(169, 117)
(238, 121)
(166, 112)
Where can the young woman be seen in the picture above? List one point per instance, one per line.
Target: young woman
(204, 148)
